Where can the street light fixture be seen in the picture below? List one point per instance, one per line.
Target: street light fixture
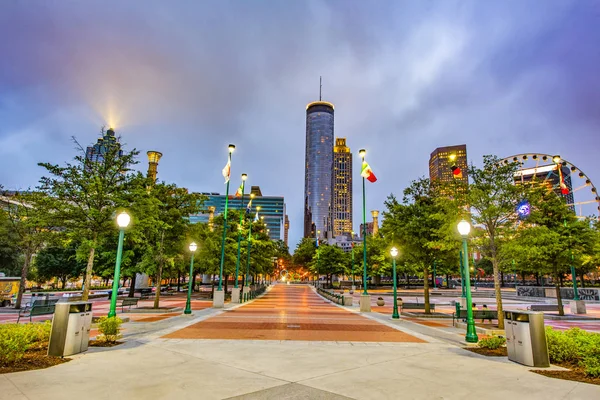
(352, 265)
(235, 294)
(394, 253)
(365, 301)
(123, 220)
(464, 228)
(188, 305)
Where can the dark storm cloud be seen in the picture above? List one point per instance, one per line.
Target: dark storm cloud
(187, 78)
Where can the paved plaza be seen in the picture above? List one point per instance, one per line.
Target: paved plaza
(289, 343)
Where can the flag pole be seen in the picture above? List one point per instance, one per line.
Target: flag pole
(364, 212)
(220, 288)
(237, 263)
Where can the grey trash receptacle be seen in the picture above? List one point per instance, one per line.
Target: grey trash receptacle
(70, 332)
(526, 338)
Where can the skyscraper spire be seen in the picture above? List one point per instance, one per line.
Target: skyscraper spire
(320, 86)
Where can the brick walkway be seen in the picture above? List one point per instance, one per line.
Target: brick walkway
(292, 312)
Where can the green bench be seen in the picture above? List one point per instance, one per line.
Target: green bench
(128, 302)
(37, 308)
(416, 306)
(477, 314)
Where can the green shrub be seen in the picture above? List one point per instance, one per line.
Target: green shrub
(16, 339)
(492, 342)
(110, 329)
(575, 346)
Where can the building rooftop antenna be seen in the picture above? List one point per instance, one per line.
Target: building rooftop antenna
(320, 86)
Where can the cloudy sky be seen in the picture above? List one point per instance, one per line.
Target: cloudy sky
(188, 77)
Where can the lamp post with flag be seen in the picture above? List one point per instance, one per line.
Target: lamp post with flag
(219, 295)
(235, 292)
(246, 289)
(366, 173)
(353, 288)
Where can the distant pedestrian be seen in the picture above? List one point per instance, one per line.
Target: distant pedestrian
(486, 315)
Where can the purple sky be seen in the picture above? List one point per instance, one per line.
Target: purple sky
(188, 77)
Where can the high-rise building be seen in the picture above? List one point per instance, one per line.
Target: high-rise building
(318, 168)
(342, 188)
(286, 229)
(272, 208)
(96, 152)
(369, 229)
(449, 163)
(550, 176)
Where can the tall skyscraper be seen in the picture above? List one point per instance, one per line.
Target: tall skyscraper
(342, 188)
(449, 163)
(318, 168)
(96, 152)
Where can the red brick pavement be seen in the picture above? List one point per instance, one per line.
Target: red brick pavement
(292, 312)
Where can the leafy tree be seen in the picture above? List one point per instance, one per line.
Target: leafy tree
(305, 251)
(422, 226)
(493, 197)
(9, 247)
(59, 261)
(377, 257)
(86, 196)
(329, 260)
(552, 238)
(32, 225)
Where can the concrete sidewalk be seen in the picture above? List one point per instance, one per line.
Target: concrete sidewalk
(151, 366)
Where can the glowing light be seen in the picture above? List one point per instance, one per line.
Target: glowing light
(231, 148)
(362, 153)
(556, 159)
(452, 157)
(523, 209)
(193, 246)
(123, 220)
(394, 252)
(464, 228)
(244, 177)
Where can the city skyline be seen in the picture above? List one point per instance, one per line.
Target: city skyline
(405, 79)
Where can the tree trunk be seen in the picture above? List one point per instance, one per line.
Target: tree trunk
(523, 278)
(537, 278)
(24, 272)
(498, 291)
(561, 310)
(501, 279)
(226, 279)
(63, 282)
(426, 290)
(158, 285)
(581, 277)
(179, 281)
(87, 282)
(447, 281)
(194, 280)
(132, 287)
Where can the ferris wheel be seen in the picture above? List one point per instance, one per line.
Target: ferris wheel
(562, 176)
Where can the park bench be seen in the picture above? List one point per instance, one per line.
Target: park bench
(38, 307)
(128, 302)
(145, 293)
(543, 307)
(416, 306)
(477, 314)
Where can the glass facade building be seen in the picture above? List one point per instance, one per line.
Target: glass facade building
(318, 168)
(443, 158)
(96, 152)
(271, 207)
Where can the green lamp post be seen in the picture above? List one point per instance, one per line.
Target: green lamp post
(362, 153)
(394, 253)
(237, 262)
(188, 304)
(123, 220)
(464, 228)
(220, 288)
(247, 282)
(352, 265)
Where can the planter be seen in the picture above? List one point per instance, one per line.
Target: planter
(380, 303)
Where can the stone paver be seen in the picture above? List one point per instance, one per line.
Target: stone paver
(290, 312)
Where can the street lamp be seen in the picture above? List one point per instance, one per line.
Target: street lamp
(123, 220)
(352, 265)
(220, 296)
(394, 253)
(247, 281)
(236, 291)
(191, 283)
(464, 228)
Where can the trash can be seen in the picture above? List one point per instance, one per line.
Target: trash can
(70, 332)
(526, 338)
